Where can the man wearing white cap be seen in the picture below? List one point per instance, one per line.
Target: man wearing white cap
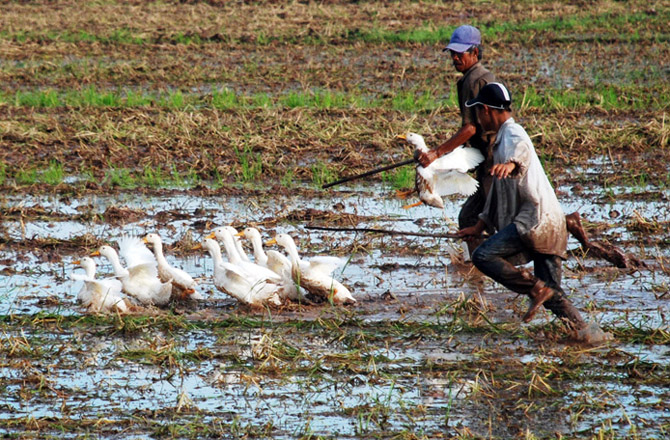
(466, 52)
(522, 208)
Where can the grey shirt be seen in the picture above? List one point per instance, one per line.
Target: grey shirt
(468, 87)
(525, 198)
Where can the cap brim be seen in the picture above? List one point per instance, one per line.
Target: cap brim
(457, 47)
(473, 102)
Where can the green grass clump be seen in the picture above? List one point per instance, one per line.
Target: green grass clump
(287, 179)
(153, 177)
(400, 178)
(91, 97)
(188, 180)
(136, 99)
(608, 97)
(3, 173)
(174, 100)
(261, 100)
(225, 99)
(25, 176)
(120, 177)
(54, 174)
(251, 164)
(40, 98)
(321, 174)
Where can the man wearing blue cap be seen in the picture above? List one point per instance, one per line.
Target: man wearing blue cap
(522, 208)
(466, 53)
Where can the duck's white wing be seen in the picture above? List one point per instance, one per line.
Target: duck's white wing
(135, 252)
(110, 284)
(180, 278)
(278, 262)
(454, 182)
(236, 283)
(461, 159)
(86, 292)
(326, 264)
(143, 270)
(254, 271)
(108, 296)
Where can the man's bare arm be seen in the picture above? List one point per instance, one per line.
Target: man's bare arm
(459, 138)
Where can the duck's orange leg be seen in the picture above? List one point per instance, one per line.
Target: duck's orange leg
(413, 205)
(403, 194)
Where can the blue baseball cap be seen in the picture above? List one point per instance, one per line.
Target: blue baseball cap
(463, 38)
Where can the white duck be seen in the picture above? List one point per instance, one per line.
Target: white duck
(238, 243)
(280, 264)
(275, 261)
(252, 270)
(445, 175)
(252, 234)
(98, 295)
(184, 282)
(315, 275)
(230, 279)
(140, 279)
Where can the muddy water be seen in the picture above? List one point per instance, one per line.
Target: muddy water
(449, 378)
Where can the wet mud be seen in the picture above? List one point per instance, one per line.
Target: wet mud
(432, 349)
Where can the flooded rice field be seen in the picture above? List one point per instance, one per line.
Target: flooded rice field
(127, 118)
(432, 349)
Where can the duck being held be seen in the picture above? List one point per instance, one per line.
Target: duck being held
(446, 175)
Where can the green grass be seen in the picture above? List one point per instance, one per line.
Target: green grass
(414, 101)
(3, 173)
(120, 177)
(644, 25)
(251, 164)
(287, 179)
(605, 96)
(400, 178)
(610, 26)
(225, 99)
(322, 174)
(54, 174)
(25, 176)
(153, 177)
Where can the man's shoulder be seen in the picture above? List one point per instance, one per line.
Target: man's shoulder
(479, 72)
(512, 132)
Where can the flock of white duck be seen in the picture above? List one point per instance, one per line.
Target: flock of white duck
(271, 278)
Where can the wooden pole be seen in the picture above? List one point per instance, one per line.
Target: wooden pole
(369, 173)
